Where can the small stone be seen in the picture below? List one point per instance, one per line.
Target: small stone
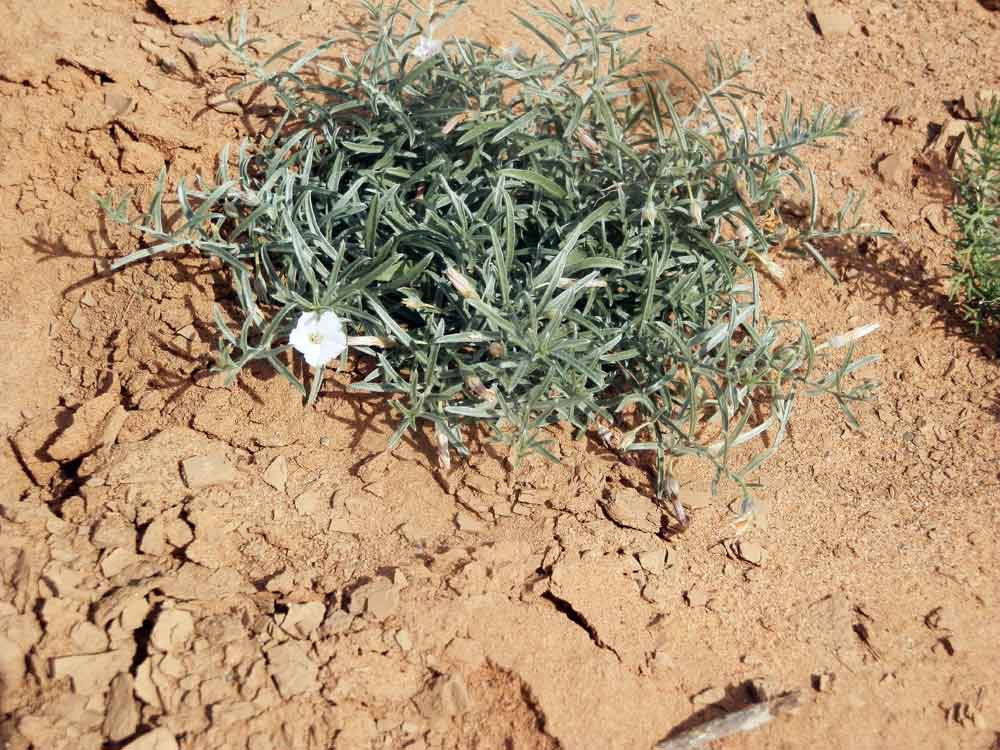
(632, 510)
(465, 521)
(403, 639)
(652, 561)
(466, 653)
(205, 471)
(121, 717)
(282, 583)
(88, 638)
(379, 598)
(276, 474)
(188, 332)
(85, 433)
(697, 597)
(117, 103)
(12, 668)
(935, 216)
(293, 672)
(113, 531)
(140, 158)
(158, 739)
(173, 629)
(832, 21)
(895, 170)
(302, 619)
(448, 697)
(823, 683)
(312, 502)
(708, 696)
(383, 603)
(751, 553)
(178, 532)
(116, 560)
(91, 673)
(154, 538)
(87, 300)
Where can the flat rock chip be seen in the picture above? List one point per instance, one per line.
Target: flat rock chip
(895, 169)
(205, 471)
(634, 511)
(934, 214)
(29, 444)
(276, 473)
(293, 672)
(121, 717)
(86, 432)
(751, 553)
(379, 598)
(832, 21)
(158, 739)
(91, 673)
(302, 619)
(173, 629)
(12, 668)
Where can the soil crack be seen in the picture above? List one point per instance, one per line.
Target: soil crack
(565, 608)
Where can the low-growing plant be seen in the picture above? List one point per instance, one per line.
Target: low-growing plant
(976, 266)
(514, 240)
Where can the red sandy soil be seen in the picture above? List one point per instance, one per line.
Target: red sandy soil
(295, 587)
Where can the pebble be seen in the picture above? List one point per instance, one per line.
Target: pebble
(697, 597)
(751, 553)
(302, 619)
(465, 521)
(293, 672)
(832, 21)
(173, 629)
(632, 510)
(91, 673)
(404, 640)
(121, 717)
(652, 561)
(276, 473)
(895, 170)
(934, 214)
(205, 471)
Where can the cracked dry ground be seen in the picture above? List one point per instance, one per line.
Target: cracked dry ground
(185, 565)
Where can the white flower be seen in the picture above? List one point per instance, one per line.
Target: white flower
(649, 212)
(843, 339)
(426, 47)
(319, 337)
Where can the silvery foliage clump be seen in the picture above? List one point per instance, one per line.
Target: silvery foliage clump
(976, 265)
(516, 240)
